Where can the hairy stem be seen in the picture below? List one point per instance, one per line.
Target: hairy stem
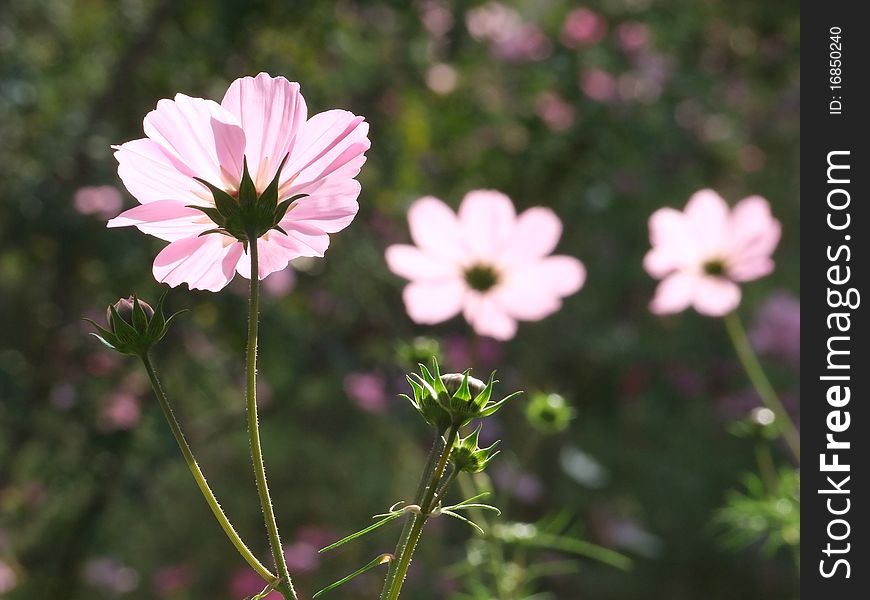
(405, 552)
(431, 462)
(198, 476)
(286, 585)
(761, 383)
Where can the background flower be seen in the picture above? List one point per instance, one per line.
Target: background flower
(260, 121)
(703, 252)
(486, 261)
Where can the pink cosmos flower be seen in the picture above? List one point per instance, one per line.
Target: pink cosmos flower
(583, 27)
(703, 252)
(486, 261)
(261, 120)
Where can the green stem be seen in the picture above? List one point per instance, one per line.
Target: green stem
(199, 477)
(286, 585)
(405, 552)
(761, 383)
(431, 462)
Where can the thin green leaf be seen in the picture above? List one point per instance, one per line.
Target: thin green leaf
(450, 513)
(383, 558)
(362, 532)
(472, 506)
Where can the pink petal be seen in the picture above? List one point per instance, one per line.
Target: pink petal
(271, 111)
(536, 234)
(329, 143)
(169, 220)
(750, 268)
(753, 237)
(674, 246)
(715, 296)
(272, 255)
(708, 218)
(534, 290)
(150, 174)
(488, 220)
(330, 207)
(433, 302)
(302, 240)
(202, 136)
(204, 263)
(434, 229)
(488, 318)
(417, 265)
(674, 294)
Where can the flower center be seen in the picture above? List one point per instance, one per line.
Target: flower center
(715, 267)
(481, 277)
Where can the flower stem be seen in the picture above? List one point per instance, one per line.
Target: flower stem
(199, 477)
(431, 462)
(286, 585)
(761, 383)
(407, 545)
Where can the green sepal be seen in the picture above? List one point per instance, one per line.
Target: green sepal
(212, 213)
(247, 190)
(463, 393)
(225, 204)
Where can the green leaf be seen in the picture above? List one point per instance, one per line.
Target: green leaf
(473, 506)
(379, 560)
(362, 532)
(450, 513)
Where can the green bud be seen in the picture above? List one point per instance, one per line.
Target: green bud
(468, 456)
(461, 397)
(134, 327)
(418, 350)
(549, 413)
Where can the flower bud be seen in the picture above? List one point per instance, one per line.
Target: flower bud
(124, 309)
(460, 397)
(134, 326)
(549, 413)
(468, 456)
(453, 381)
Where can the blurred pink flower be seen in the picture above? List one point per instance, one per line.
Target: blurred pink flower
(110, 576)
(280, 283)
(103, 201)
(701, 253)
(367, 390)
(245, 583)
(776, 330)
(509, 37)
(8, 578)
(458, 353)
(261, 119)
(598, 85)
(120, 412)
(583, 27)
(172, 579)
(486, 261)
(554, 111)
(632, 36)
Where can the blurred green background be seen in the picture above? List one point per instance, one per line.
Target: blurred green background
(603, 111)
